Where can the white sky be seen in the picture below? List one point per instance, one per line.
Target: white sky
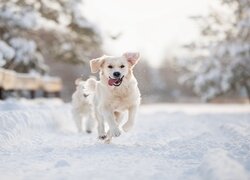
(156, 28)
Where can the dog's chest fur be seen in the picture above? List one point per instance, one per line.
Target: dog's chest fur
(79, 102)
(122, 97)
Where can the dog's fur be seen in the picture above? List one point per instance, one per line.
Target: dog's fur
(82, 108)
(112, 96)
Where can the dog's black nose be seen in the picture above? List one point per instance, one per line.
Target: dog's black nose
(117, 74)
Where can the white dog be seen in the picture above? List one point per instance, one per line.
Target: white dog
(116, 93)
(82, 108)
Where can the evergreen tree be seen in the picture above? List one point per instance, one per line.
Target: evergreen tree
(31, 30)
(221, 60)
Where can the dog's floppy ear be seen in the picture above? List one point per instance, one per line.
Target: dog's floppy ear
(132, 57)
(95, 64)
(77, 81)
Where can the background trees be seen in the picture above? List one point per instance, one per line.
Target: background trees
(37, 34)
(220, 62)
(34, 30)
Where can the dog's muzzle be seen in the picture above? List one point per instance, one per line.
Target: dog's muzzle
(85, 95)
(115, 82)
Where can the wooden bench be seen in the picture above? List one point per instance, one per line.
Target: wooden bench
(18, 82)
(26, 82)
(51, 85)
(7, 81)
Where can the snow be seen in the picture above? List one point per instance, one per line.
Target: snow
(14, 15)
(38, 140)
(24, 49)
(6, 52)
(225, 166)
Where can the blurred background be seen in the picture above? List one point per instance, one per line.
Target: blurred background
(191, 51)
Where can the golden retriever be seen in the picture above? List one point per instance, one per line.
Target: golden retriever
(82, 108)
(116, 93)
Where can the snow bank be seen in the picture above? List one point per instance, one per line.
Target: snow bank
(19, 121)
(217, 164)
(38, 140)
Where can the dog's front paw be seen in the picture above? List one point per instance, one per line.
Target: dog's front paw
(127, 127)
(102, 137)
(115, 132)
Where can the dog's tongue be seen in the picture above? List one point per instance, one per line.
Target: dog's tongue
(112, 81)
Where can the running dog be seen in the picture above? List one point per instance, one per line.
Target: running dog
(82, 107)
(115, 94)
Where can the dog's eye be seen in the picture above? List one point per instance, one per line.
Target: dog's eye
(110, 66)
(122, 66)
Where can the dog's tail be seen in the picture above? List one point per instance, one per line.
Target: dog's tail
(90, 85)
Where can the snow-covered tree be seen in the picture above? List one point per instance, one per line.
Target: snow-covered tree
(31, 30)
(221, 60)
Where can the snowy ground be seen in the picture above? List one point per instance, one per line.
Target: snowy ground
(38, 141)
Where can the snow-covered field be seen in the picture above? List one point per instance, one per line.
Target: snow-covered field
(38, 140)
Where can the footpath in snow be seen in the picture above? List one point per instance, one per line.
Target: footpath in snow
(38, 140)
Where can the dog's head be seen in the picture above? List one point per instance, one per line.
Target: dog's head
(80, 87)
(114, 69)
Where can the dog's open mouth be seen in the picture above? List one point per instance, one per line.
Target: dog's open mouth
(115, 82)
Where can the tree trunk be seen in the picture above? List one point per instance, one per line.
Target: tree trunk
(32, 94)
(248, 92)
(1, 93)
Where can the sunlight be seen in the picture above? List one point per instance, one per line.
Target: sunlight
(155, 28)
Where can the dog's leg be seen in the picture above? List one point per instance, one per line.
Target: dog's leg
(100, 125)
(89, 124)
(78, 120)
(109, 116)
(109, 138)
(118, 117)
(131, 118)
